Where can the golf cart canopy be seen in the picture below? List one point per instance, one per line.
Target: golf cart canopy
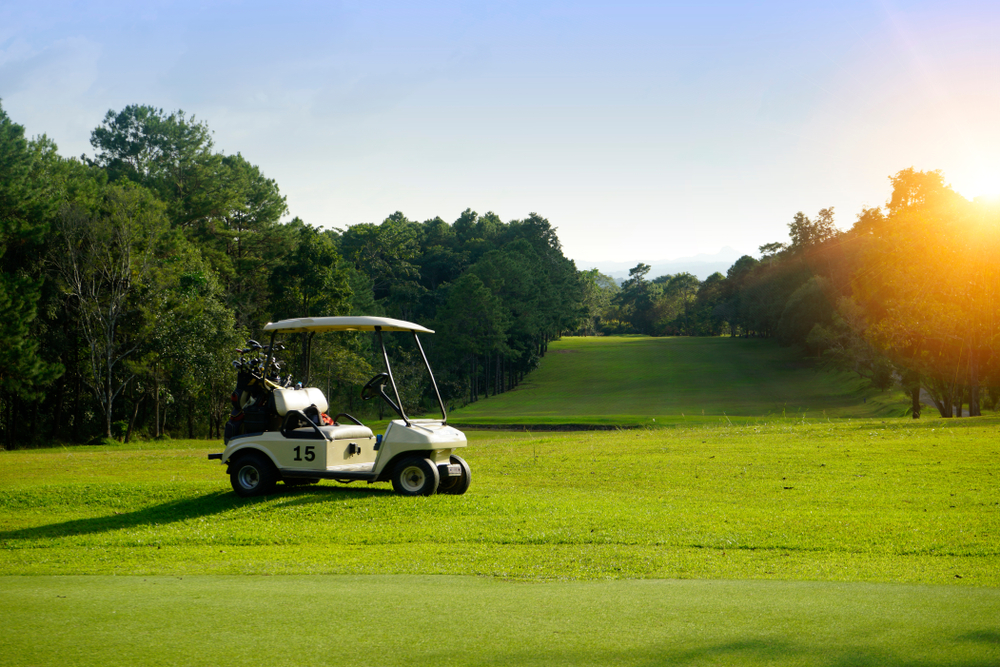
(318, 324)
(313, 325)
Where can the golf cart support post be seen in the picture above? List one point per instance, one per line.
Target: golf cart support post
(314, 325)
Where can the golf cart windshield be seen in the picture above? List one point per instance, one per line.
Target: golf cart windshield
(313, 325)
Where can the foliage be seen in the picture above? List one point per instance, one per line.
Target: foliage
(161, 254)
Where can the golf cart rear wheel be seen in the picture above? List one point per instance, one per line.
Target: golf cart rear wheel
(415, 476)
(456, 486)
(252, 475)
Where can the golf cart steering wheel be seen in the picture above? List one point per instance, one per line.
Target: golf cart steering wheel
(374, 387)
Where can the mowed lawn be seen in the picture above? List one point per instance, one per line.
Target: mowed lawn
(632, 380)
(867, 542)
(870, 500)
(785, 526)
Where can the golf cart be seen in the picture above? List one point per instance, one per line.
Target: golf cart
(279, 432)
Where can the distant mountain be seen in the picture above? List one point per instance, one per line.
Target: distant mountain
(702, 265)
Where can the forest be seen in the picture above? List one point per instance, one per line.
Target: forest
(906, 297)
(129, 278)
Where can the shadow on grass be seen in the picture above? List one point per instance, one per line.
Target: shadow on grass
(190, 508)
(754, 651)
(983, 637)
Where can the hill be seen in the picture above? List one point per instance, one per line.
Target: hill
(635, 380)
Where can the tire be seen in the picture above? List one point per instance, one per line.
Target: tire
(252, 475)
(415, 476)
(456, 486)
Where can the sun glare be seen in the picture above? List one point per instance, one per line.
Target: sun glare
(983, 184)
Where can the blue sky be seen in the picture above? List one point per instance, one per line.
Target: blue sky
(642, 131)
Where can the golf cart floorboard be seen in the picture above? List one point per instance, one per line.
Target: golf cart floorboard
(360, 472)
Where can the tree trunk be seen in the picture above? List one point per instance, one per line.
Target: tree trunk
(6, 407)
(156, 391)
(915, 401)
(190, 420)
(107, 413)
(77, 409)
(131, 422)
(57, 409)
(974, 410)
(941, 397)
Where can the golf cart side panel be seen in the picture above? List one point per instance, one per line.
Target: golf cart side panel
(313, 454)
(355, 450)
(249, 443)
(283, 453)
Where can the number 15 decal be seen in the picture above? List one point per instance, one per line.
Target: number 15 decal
(310, 453)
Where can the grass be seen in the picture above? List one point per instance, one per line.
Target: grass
(727, 539)
(315, 620)
(846, 501)
(634, 380)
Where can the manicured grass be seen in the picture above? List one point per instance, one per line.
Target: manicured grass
(737, 537)
(407, 620)
(891, 501)
(629, 380)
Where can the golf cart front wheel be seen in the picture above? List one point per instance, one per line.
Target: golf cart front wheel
(415, 476)
(456, 486)
(252, 475)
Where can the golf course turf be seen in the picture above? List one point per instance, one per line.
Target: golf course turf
(632, 380)
(750, 538)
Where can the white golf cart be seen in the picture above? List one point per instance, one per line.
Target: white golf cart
(281, 433)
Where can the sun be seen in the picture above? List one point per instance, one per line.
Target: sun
(983, 183)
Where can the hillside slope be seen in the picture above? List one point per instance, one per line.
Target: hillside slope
(629, 380)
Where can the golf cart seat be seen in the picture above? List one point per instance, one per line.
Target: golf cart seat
(305, 405)
(299, 399)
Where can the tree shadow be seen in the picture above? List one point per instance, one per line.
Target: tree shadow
(190, 508)
(982, 636)
(751, 651)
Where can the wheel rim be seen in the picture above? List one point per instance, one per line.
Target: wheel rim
(412, 478)
(249, 477)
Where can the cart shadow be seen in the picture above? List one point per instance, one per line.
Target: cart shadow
(190, 508)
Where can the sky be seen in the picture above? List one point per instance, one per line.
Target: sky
(641, 130)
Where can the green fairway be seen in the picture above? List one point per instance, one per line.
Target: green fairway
(891, 501)
(630, 380)
(751, 540)
(317, 620)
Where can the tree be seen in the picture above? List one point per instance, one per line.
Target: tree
(806, 234)
(27, 203)
(636, 298)
(599, 291)
(807, 307)
(383, 252)
(928, 283)
(474, 323)
(106, 262)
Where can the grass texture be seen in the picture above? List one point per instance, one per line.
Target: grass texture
(377, 620)
(880, 501)
(634, 380)
(770, 530)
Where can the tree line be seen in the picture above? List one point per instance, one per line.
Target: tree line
(906, 297)
(128, 278)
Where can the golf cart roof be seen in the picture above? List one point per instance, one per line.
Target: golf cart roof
(318, 324)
